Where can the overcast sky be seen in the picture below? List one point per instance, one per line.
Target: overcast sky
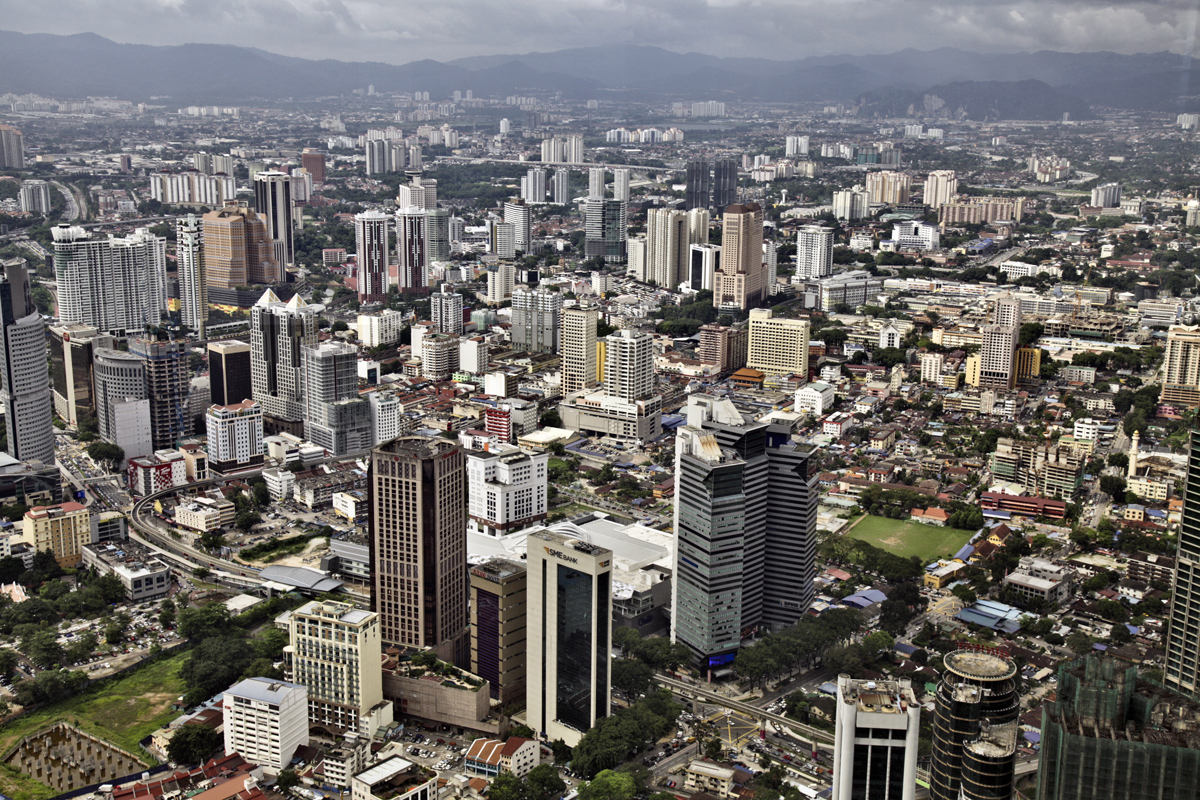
(399, 31)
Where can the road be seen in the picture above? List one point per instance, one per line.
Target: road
(74, 203)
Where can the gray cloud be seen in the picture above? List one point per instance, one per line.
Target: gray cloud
(379, 30)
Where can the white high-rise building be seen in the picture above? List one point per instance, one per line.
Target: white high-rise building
(516, 213)
(381, 328)
(115, 285)
(446, 310)
(553, 151)
(915, 235)
(814, 252)
(34, 197)
(273, 202)
(193, 277)
(561, 186)
(629, 365)
(703, 260)
(500, 282)
(876, 741)
(931, 367)
(1107, 195)
(335, 417)
(473, 355)
(385, 417)
(235, 437)
(265, 721)
(621, 184)
(573, 148)
(569, 597)
(941, 186)
(536, 317)
(533, 186)
(577, 349)
(24, 377)
(371, 250)
(596, 182)
(506, 489)
(122, 401)
(667, 245)
(635, 252)
(851, 204)
(503, 240)
(412, 251)
(797, 146)
(278, 334)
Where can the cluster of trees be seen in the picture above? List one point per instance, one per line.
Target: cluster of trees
(889, 566)
(685, 320)
(1138, 407)
(222, 653)
(853, 658)
(798, 646)
(617, 738)
(541, 783)
(1119, 358)
(634, 674)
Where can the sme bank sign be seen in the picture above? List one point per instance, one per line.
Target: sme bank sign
(561, 556)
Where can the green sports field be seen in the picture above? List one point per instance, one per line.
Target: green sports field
(909, 538)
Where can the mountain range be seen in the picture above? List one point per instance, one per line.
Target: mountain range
(1041, 85)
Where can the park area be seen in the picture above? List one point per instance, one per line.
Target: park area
(122, 710)
(927, 542)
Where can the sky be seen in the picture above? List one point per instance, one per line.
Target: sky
(400, 31)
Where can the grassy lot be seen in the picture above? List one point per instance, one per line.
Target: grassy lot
(909, 538)
(122, 711)
(572, 509)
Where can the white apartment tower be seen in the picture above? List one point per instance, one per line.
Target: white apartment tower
(629, 365)
(560, 186)
(621, 184)
(931, 367)
(115, 285)
(371, 250)
(506, 489)
(796, 146)
(235, 437)
(446, 310)
(533, 186)
(876, 741)
(34, 197)
(596, 182)
(577, 349)
(814, 252)
(193, 278)
(516, 213)
(501, 280)
(941, 186)
(266, 721)
(24, 378)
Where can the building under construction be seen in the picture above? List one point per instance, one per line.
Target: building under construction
(1110, 736)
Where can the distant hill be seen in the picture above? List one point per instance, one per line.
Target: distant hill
(981, 101)
(1029, 85)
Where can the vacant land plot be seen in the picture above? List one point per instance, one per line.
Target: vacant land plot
(122, 711)
(909, 538)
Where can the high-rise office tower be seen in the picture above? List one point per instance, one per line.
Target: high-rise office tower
(975, 729)
(418, 523)
(122, 405)
(335, 417)
(516, 213)
(229, 372)
(193, 282)
(314, 162)
(335, 651)
(777, 345)
(238, 250)
(577, 349)
(533, 186)
(168, 378)
(114, 285)
(734, 482)
(876, 744)
(446, 310)
(235, 437)
(629, 365)
(621, 184)
(1181, 363)
(412, 268)
(1102, 737)
(371, 247)
(596, 182)
(536, 318)
(560, 188)
(997, 356)
(273, 202)
(24, 378)
(1182, 670)
(814, 252)
(569, 597)
(724, 183)
(703, 261)
(606, 230)
(499, 627)
(437, 234)
(34, 197)
(941, 186)
(889, 187)
(12, 148)
(72, 378)
(278, 334)
(698, 192)
(740, 281)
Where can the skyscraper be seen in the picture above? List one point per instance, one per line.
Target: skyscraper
(72, 378)
(596, 182)
(1181, 362)
(115, 285)
(235, 437)
(500, 277)
(499, 632)
(889, 187)
(377, 153)
(278, 334)
(1106, 195)
(577, 349)
(605, 229)
(629, 365)
(941, 186)
(975, 728)
(876, 744)
(229, 372)
(412, 249)
(24, 377)
(698, 191)
(703, 261)
(502, 239)
(997, 356)
(533, 186)
(536, 319)
(12, 148)
(314, 162)
(335, 417)
(621, 184)
(1182, 672)
(193, 282)
(446, 310)
(122, 406)
(569, 597)
(35, 197)
(437, 234)
(561, 186)
(734, 481)
(371, 247)
(740, 280)
(516, 213)
(238, 249)
(814, 252)
(335, 651)
(168, 377)
(273, 202)
(724, 183)
(418, 524)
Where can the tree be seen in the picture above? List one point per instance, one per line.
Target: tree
(610, 785)
(507, 786)
(103, 451)
(42, 648)
(1079, 642)
(214, 665)
(339, 326)
(551, 419)
(846, 658)
(631, 676)
(288, 779)
(1119, 460)
(166, 613)
(544, 783)
(210, 619)
(878, 642)
(247, 520)
(8, 662)
(713, 748)
(1113, 486)
(193, 744)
